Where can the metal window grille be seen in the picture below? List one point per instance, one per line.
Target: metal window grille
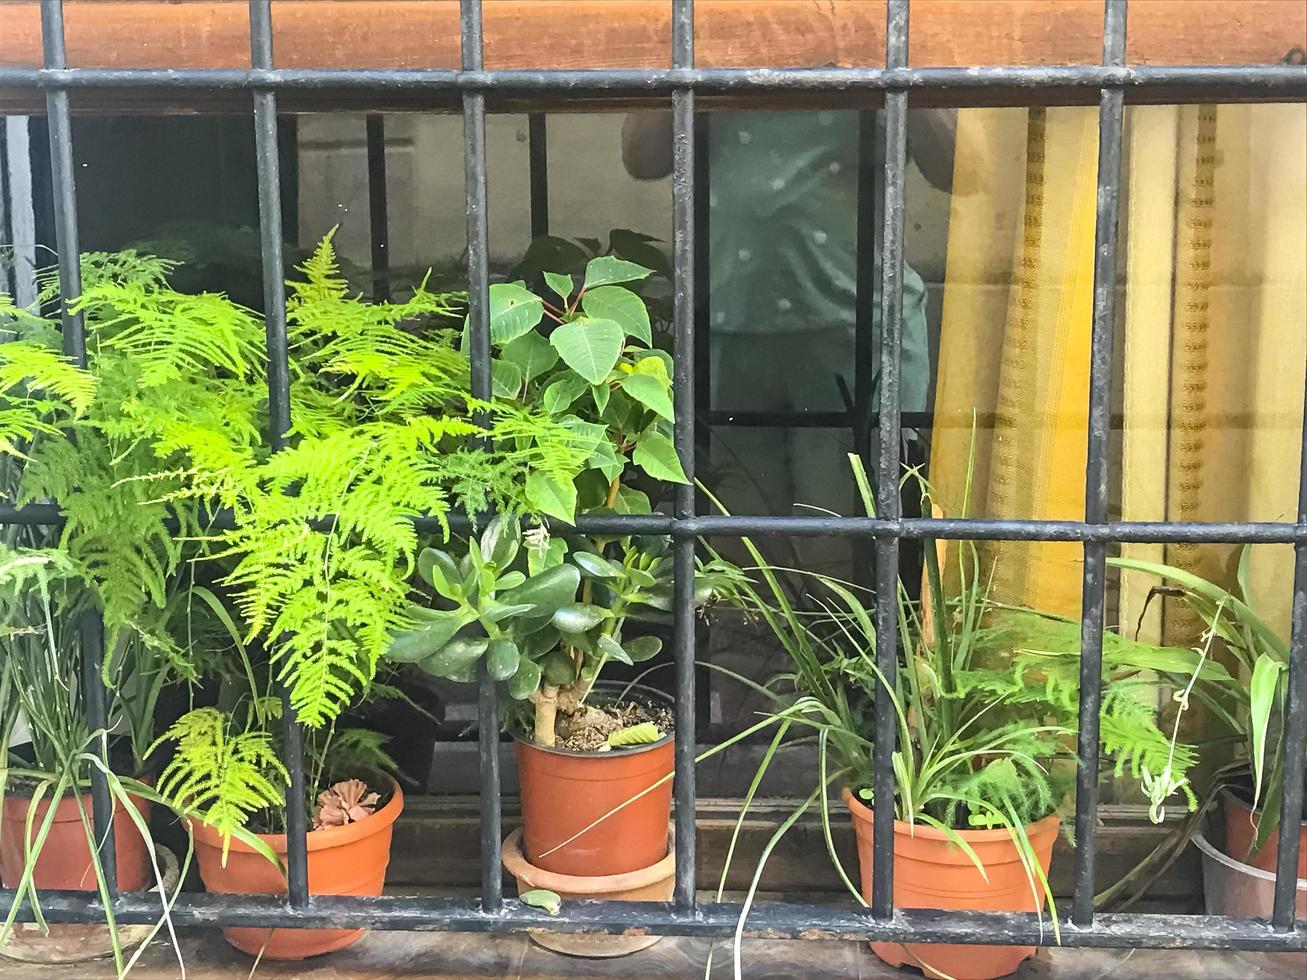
(1112, 80)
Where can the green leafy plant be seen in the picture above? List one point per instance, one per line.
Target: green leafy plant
(1248, 705)
(984, 697)
(547, 611)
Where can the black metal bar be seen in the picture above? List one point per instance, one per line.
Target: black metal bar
(770, 920)
(684, 271)
(1231, 82)
(1094, 598)
(67, 245)
(478, 296)
(537, 134)
(1295, 724)
(887, 494)
(912, 529)
(268, 159)
(378, 218)
(867, 276)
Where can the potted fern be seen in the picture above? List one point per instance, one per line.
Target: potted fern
(985, 699)
(74, 435)
(550, 610)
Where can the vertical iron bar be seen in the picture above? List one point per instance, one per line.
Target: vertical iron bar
(1295, 726)
(887, 548)
(74, 344)
(684, 270)
(1110, 115)
(378, 219)
(478, 309)
(268, 159)
(537, 132)
(870, 188)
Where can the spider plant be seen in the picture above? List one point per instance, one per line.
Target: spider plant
(1248, 704)
(985, 698)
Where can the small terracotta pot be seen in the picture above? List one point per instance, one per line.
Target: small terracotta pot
(1241, 829)
(930, 872)
(349, 860)
(564, 792)
(65, 858)
(652, 884)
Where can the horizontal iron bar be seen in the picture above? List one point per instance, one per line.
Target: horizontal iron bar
(1276, 78)
(769, 920)
(912, 528)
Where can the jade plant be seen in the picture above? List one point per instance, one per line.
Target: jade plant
(549, 609)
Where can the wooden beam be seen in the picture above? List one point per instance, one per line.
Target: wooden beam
(582, 34)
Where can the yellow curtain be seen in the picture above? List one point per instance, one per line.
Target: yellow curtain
(1211, 341)
(1014, 346)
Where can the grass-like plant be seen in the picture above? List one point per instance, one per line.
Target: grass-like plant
(984, 697)
(1248, 704)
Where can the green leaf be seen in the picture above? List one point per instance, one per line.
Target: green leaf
(589, 347)
(549, 496)
(643, 648)
(437, 629)
(1261, 698)
(562, 391)
(456, 657)
(558, 668)
(514, 310)
(650, 392)
(632, 501)
(497, 612)
(562, 285)
(600, 394)
(502, 658)
(439, 571)
(541, 559)
(621, 306)
(525, 681)
(606, 461)
(594, 566)
(500, 541)
(656, 455)
(611, 649)
(506, 378)
(548, 591)
(645, 733)
(532, 353)
(579, 617)
(543, 899)
(608, 269)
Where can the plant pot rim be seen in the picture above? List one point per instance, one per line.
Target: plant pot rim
(318, 840)
(627, 751)
(579, 885)
(1235, 865)
(1233, 795)
(902, 828)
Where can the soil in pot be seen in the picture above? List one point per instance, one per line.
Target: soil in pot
(65, 858)
(568, 788)
(1241, 830)
(931, 872)
(348, 860)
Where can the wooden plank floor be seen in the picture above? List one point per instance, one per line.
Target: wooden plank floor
(439, 956)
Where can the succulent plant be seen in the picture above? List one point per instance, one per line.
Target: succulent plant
(343, 803)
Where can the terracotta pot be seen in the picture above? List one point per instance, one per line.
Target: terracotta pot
(1240, 830)
(930, 872)
(652, 884)
(564, 792)
(65, 858)
(349, 860)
